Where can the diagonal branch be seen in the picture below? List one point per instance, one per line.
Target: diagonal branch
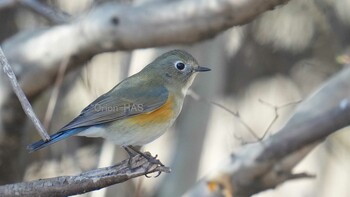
(27, 107)
(84, 182)
(258, 167)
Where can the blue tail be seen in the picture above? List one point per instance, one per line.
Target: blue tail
(53, 139)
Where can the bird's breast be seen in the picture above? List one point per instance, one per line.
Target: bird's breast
(167, 112)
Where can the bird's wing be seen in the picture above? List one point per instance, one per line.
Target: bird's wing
(119, 104)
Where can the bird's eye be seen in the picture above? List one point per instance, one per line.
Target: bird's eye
(180, 65)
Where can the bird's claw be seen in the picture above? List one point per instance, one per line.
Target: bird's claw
(151, 160)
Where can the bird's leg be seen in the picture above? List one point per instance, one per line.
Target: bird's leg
(152, 160)
(131, 155)
(149, 157)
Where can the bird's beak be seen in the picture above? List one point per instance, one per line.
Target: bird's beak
(201, 69)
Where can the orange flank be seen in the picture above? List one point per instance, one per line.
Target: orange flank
(160, 115)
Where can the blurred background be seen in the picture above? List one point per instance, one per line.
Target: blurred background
(279, 58)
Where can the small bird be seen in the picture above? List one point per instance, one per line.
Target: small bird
(139, 109)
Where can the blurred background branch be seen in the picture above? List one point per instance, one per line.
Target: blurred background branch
(278, 56)
(114, 26)
(266, 165)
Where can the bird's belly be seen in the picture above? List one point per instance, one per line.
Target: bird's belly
(123, 135)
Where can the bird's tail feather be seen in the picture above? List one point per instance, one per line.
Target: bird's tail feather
(53, 139)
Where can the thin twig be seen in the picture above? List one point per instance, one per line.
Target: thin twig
(55, 92)
(235, 114)
(21, 96)
(276, 110)
(301, 175)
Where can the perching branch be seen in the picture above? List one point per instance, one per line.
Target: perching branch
(84, 182)
(21, 96)
(258, 167)
(113, 26)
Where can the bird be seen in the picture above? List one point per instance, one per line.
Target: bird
(139, 109)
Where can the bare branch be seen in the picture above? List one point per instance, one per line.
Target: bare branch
(255, 168)
(21, 96)
(302, 175)
(55, 92)
(234, 114)
(114, 26)
(85, 182)
(276, 110)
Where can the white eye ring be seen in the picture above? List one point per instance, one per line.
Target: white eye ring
(180, 66)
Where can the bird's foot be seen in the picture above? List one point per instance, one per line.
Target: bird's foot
(152, 160)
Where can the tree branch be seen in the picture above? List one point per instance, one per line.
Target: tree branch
(114, 26)
(21, 97)
(258, 167)
(85, 182)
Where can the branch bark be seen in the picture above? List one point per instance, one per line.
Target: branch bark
(27, 107)
(114, 26)
(265, 165)
(85, 182)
